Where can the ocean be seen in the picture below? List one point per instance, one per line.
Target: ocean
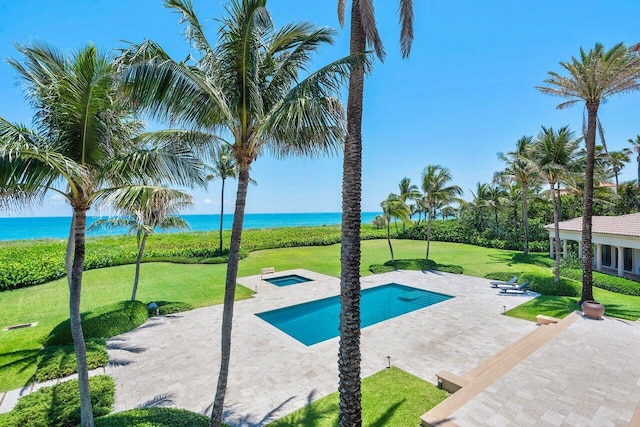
(58, 227)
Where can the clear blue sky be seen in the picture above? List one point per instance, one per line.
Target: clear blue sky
(466, 93)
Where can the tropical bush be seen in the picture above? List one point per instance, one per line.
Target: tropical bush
(154, 417)
(103, 322)
(170, 307)
(457, 232)
(59, 405)
(60, 361)
(606, 281)
(419, 264)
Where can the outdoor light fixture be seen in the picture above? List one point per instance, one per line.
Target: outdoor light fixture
(504, 308)
(389, 361)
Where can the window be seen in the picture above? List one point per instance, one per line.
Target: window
(606, 255)
(628, 259)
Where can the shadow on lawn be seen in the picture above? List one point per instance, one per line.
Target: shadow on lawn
(537, 259)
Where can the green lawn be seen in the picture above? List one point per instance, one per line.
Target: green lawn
(392, 397)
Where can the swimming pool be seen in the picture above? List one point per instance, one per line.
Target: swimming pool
(316, 321)
(291, 279)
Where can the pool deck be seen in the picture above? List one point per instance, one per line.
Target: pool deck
(174, 360)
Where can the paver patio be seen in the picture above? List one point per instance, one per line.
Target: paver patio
(174, 360)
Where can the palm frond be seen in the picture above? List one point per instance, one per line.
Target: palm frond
(370, 28)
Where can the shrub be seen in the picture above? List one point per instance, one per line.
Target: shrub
(154, 417)
(60, 361)
(170, 307)
(606, 281)
(419, 264)
(571, 261)
(59, 405)
(542, 284)
(546, 285)
(103, 322)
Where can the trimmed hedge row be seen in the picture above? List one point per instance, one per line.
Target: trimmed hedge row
(454, 231)
(28, 263)
(419, 264)
(103, 322)
(59, 405)
(607, 282)
(60, 361)
(154, 417)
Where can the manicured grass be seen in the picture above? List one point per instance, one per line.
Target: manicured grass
(392, 397)
(616, 305)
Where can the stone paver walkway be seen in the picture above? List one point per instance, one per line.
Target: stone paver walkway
(174, 360)
(586, 375)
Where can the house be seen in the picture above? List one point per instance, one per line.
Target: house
(616, 241)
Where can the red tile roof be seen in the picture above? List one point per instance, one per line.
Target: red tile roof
(624, 225)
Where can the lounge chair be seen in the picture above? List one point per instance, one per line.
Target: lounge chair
(522, 289)
(510, 282)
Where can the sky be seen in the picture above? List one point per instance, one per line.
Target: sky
(466, 92)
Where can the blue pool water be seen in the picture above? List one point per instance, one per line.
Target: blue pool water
(292, 279)
(316, 321)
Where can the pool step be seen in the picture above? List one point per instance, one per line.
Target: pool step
(426, 300)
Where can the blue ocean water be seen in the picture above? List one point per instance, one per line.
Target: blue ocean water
(58, 227)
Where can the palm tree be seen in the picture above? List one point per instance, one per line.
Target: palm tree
(479, 203)
(436, 193)
(617, 161)
(224, 166)
(363, 31)
(81, 147)
(521, 170)
(554, 151)
(408, 191)
(394, 207)
(593, 78)
(144, 209)
(246, 87)
(636, 148)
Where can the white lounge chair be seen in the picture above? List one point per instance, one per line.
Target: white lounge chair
(510, 282)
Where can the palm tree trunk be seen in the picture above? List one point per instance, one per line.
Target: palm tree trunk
(70, 247)
(138, 261)
(615, 172)
(525, 220)
(393, 260)
(75, 287)
(556, 225)
(230, 290)
(349, 356)
(221, 215)
(638, 161)
(559, 200)
(428, 233)
(587, 207)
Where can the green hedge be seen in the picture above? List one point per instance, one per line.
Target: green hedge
(170, 307)
(60, 361)
(419, 264)
(28, 263)
(541, 284)
(607, 282)
(59, 406)
(103, 322)
(456, 232)
(154, 417)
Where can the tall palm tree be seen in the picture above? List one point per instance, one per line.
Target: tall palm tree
(408, 191)
(593, 78)
(436, 193)
(223, 167)
(143, 209)
(617, 161)
(81, 147)
(479, 203)
(394, 207)
(521, 170)
(636, 148)
(246, 87)
(554, 151)
(363, 31)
